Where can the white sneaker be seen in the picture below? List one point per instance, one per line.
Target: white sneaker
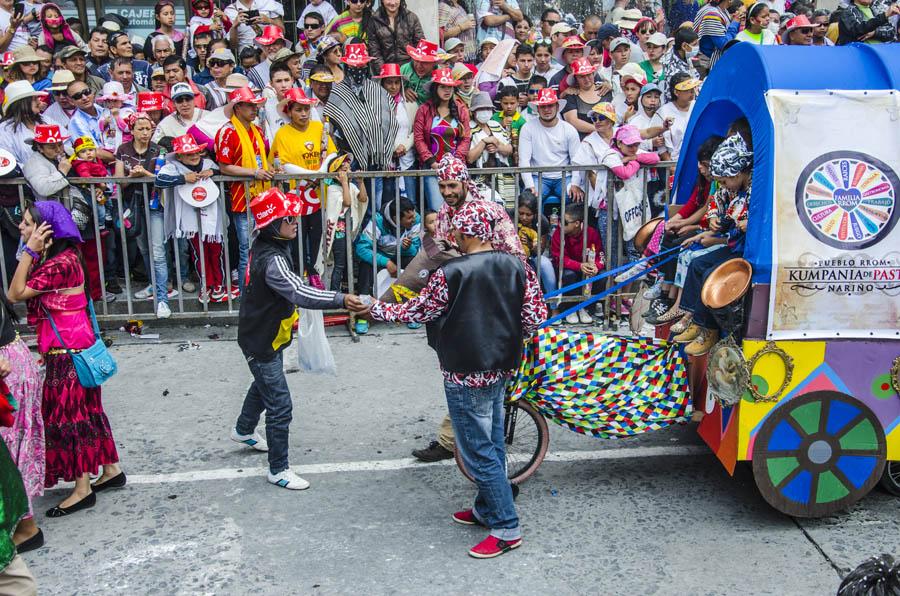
(572, 318)
(189, 286)
(162, 311)
(144, 294)
(631, 272)
(254, 440)
(654, 291)
(172, 293)
(584, 317)
(287, 479)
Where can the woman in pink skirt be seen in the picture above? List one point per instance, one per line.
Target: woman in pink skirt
(50, 276)
(25, 438)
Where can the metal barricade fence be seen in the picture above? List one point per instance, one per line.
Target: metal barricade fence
(189, 307)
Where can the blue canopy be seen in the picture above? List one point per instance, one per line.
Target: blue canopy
(736, 87)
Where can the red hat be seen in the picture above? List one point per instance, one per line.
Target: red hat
(356, 55)
(202, 29)
(583, 66)
(798, 22)
(425, 51)
(185, 145)
(546, 97)
(148, 101)
(306, 198)
(295, 95)
(270, 34)
(388, 71)
(7, 59)
(245, 95)
(444, 76)
(48, 133)
(272, 204)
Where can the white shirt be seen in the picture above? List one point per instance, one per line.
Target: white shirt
(541, 145)
(58, 116)
(246, 36)
(20, 37)
(642, 121)
(675, 135)
(174, 126)
(324, 8)
(593, 151)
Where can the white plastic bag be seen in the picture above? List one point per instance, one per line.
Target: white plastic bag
(314, 352)
(384, 281)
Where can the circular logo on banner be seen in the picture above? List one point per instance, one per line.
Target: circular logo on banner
(198, 194)
(848, 199)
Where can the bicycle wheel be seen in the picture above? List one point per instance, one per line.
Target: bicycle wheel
(527, 439)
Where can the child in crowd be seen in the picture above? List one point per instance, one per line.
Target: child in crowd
(534, 245)
(666, 292)
(509, 116)
(731, 166)
(430, 223)
(380, 240)
(114, 127)
(195, 215)
(86, 164)
(580, 260)
(206, 13)
(343, 196)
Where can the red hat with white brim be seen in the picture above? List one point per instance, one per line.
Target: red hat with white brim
(7, 59)
(425, 51)
(356, 55)
(273, 204)
(7, 162)
(388, 71)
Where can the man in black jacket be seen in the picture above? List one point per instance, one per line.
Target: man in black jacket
(479, 308)
(265, 328)
(858, 22)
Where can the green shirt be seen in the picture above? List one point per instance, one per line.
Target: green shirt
(413, 81)
(515, 124)
(648, 70)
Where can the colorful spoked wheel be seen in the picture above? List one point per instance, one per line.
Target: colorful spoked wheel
(818, 454)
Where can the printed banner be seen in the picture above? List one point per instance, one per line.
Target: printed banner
(607, 386)
(836, 243)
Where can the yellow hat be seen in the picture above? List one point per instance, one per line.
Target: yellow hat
(688, 84)
(322, 77)
(606, 110)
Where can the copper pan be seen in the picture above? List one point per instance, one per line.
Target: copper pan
(645, 232)
(727, 283)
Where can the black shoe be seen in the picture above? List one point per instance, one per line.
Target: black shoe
(658, 308)
(113, 287)
(33, 543)
(117, 481)
(85, 503)
(515, 490)
(434, 452)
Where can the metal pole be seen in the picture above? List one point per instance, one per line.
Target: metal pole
(225, 247)
(201, 256)
(99, 243)
(149, 235)
(124, 239)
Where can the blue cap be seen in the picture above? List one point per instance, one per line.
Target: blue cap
(650, 87)
(607, 31)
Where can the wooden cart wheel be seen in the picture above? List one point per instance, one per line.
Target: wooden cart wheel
(818, 453)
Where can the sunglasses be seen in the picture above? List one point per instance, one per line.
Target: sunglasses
(62, 93)
(311, 25)
(290, 219)
(217, 63)
(81, 94)
(594, 117)
(356, 1)
(183, 99)
(647, 31)
(533, 91)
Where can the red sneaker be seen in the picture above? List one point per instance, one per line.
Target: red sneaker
(466, 518)
(492, 547)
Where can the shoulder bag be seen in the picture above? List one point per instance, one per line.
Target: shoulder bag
(94, 365)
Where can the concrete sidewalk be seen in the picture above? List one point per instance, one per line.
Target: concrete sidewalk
(655, 514)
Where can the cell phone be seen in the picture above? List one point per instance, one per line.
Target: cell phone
(252, 14)
(19, 9)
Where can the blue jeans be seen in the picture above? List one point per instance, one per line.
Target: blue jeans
(433, 198)
(242, 231)
(269, 392)
(157, 243)
(697, 272)
(477, 416)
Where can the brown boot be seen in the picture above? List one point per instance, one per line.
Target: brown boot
(703, 343)
(689, 334)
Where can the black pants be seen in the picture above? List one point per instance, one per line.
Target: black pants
(339, 271)
(311, 231)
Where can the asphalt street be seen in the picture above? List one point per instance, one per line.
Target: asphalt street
(655, 514)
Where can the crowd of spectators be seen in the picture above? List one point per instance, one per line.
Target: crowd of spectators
(232, 91)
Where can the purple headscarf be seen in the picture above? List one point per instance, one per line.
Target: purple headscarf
(60, 220)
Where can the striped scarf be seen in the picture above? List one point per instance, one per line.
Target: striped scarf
(366, 122)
